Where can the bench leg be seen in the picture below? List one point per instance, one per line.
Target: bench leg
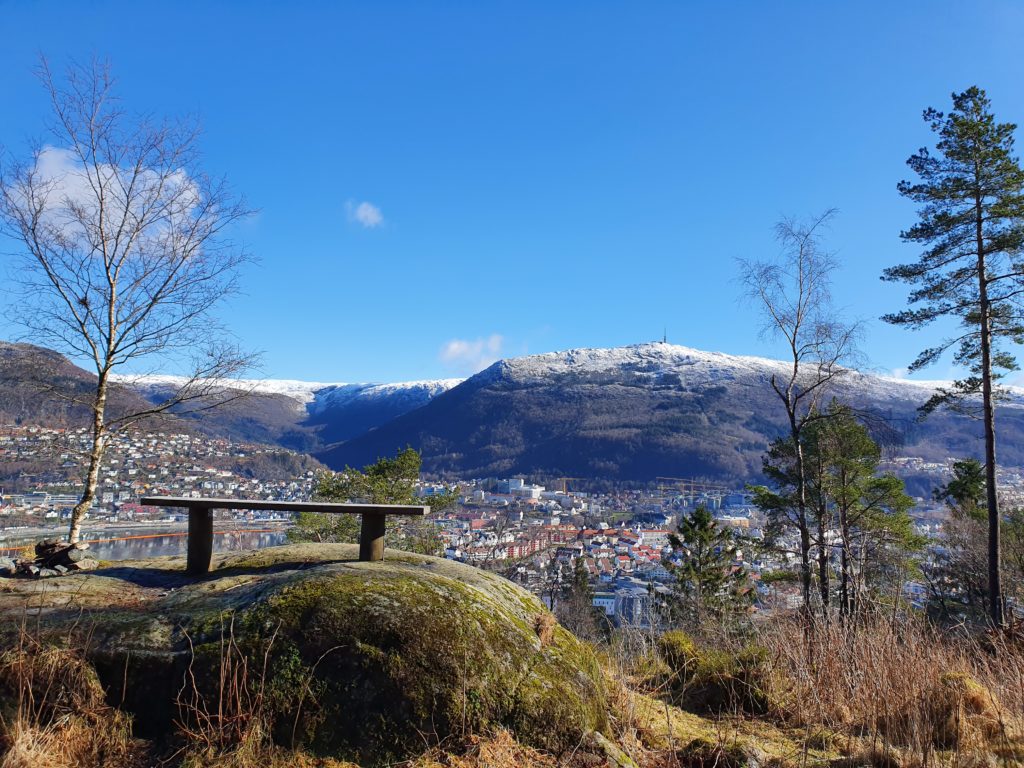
(200, 541)
(371, 538)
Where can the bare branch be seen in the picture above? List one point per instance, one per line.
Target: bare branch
(124, 252)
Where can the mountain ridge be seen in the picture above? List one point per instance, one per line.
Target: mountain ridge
(623, 413)
(642, 411)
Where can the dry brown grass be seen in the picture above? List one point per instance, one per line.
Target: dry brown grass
(232, 718)
(900, 687)
(55, 715)
(544, 626)
(497, 750)
(258, 755)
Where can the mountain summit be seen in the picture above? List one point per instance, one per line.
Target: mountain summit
(625, 413)
(643, 411)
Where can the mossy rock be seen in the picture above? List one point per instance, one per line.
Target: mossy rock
(364, 661)
(716, 681)
(964, 712)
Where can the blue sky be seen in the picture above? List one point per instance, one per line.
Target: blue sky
(442, 183)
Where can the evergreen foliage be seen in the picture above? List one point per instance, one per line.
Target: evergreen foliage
(868, 510)
(965, 492)
(860, 517)
(971, 222)
(710, 585)
(391, 480)
(575, 610)
(957, 574)
(971, 218)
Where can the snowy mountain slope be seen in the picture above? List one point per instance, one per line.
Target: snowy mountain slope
(626, 413)
(688, 365)
(303, 415)
(316, 395)
(647, 410)
(335, 395)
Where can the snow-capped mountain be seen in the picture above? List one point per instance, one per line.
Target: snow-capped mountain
(649, 410)
(305, 415)
(657, 360)
(633, 412)
(330, 396)
(314, 395)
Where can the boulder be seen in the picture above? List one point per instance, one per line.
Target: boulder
(47, 547)
(364, 660)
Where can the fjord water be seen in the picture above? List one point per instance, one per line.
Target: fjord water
(141, 546)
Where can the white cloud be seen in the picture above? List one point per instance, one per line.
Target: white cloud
(65, 189)
(365, 213)
(470, 356)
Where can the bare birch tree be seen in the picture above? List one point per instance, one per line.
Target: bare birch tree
(793, 293)
(122, 253)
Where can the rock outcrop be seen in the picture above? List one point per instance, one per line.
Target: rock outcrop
(355, 660)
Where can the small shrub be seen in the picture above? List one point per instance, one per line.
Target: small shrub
(544, 626)
(716, 681)
(965, 713)
(823, 740)
(677, 649)
(873, 756)
(702, 753)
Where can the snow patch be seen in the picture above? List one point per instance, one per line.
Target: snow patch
(312, 394)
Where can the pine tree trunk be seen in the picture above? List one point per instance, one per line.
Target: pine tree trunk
(994, 586)
(823, 574)
(845, 601)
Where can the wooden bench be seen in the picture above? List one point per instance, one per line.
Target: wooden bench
(200, 522)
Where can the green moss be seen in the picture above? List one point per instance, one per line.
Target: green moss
(677, 649)
(363, 660)
(401, 654)
(716, 681)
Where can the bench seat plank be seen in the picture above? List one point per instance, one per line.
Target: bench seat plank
(189, 502)
(200, 521)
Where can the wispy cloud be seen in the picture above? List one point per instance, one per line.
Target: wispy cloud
(472, 355)
(365, 214)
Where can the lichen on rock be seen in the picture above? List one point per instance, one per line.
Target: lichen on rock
(364, 661)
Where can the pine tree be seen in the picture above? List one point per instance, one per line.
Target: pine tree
(869, 510)
(391, 480)
(971, 221)
(710, 583)
(965, 492)
(847, 501)
(576, 611)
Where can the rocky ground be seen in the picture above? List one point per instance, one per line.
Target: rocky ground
(302, 655)
(52, 558)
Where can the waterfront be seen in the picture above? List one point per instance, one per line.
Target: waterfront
(137, 546)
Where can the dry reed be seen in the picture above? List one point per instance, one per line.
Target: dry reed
(903, 685)
(54, 712)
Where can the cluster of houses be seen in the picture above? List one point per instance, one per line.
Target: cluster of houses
(629, 566)
(135, 465)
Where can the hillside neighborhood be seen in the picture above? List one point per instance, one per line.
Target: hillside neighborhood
(531, 533)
